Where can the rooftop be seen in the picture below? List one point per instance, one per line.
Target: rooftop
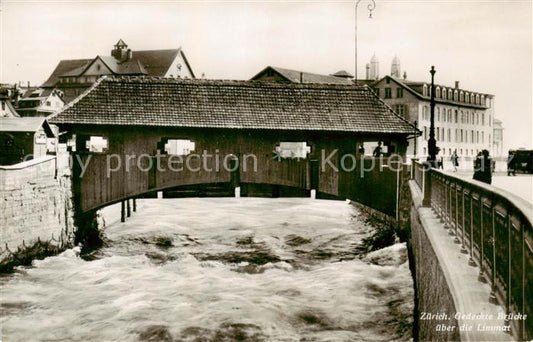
(145, 101)
(295, 76)
(24, 124)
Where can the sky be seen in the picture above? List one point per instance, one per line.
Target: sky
(485, 45)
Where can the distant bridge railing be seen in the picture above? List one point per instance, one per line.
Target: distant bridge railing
(492, 226)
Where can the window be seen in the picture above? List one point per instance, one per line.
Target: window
(399, 92)
(461, 96)
(425, 90)
(438, 133)
(437, 92)
(438, 114)
(425, 133)
(387, 80)
(449, 135)
(178, 147)
(425, 115)
(477, 137)
(472, 118)
(482, 137)
(455, 94)
(293, 149)
(456, 116)
(472, 136)
(444, 92)
(467, 97)
(483, 119)
(462, 140)
(450, 94)
(48, 104)
(97, 144)
(387, 93)
(399, 109)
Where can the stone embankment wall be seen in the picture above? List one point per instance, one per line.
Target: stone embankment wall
(433, 295)
(35, 205)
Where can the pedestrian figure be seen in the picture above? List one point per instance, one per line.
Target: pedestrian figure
(483, 167)
(377, 150)
(511, 164)
(361, 150)
(455, 160)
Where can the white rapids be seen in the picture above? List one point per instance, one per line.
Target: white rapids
(218, 269)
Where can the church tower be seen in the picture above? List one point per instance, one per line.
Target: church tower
(395, 70)
(374, 68)
(121, 51)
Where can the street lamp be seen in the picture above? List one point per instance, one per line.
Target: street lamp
(432, 144)
(371, 6)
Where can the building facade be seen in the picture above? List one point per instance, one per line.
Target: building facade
(463, 118)
(40, 102)
(497, 140)
(7, 96)
(74, 76)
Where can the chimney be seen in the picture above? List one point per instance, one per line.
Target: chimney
(130, 55)
(404, 75)
(301, 77)
(456, 84)
(367, 71)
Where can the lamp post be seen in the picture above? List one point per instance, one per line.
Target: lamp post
(371, 6)
(432, 144)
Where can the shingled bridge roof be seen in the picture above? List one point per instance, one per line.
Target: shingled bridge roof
(143, 101)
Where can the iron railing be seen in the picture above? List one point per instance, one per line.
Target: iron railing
(494, 228)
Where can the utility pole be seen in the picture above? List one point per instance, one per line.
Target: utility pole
(432, 143)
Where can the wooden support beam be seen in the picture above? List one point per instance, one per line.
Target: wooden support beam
(134, 205)
(128, 208)
(122, 212)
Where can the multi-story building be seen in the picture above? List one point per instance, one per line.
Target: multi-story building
(463, 118)
(74, 76)
(40, 102)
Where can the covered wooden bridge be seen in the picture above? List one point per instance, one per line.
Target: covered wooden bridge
(134, 136)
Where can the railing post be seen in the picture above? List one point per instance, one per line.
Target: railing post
(445, 213)
(481, 244)
(134, 204)
(492, 297)
(450, 212)
(427, 186)
(456, 240)
(463, 246)
(471, 261)
(128, 208)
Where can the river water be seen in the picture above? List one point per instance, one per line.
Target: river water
(218, 269)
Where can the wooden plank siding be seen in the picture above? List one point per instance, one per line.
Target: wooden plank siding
(100, 187)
